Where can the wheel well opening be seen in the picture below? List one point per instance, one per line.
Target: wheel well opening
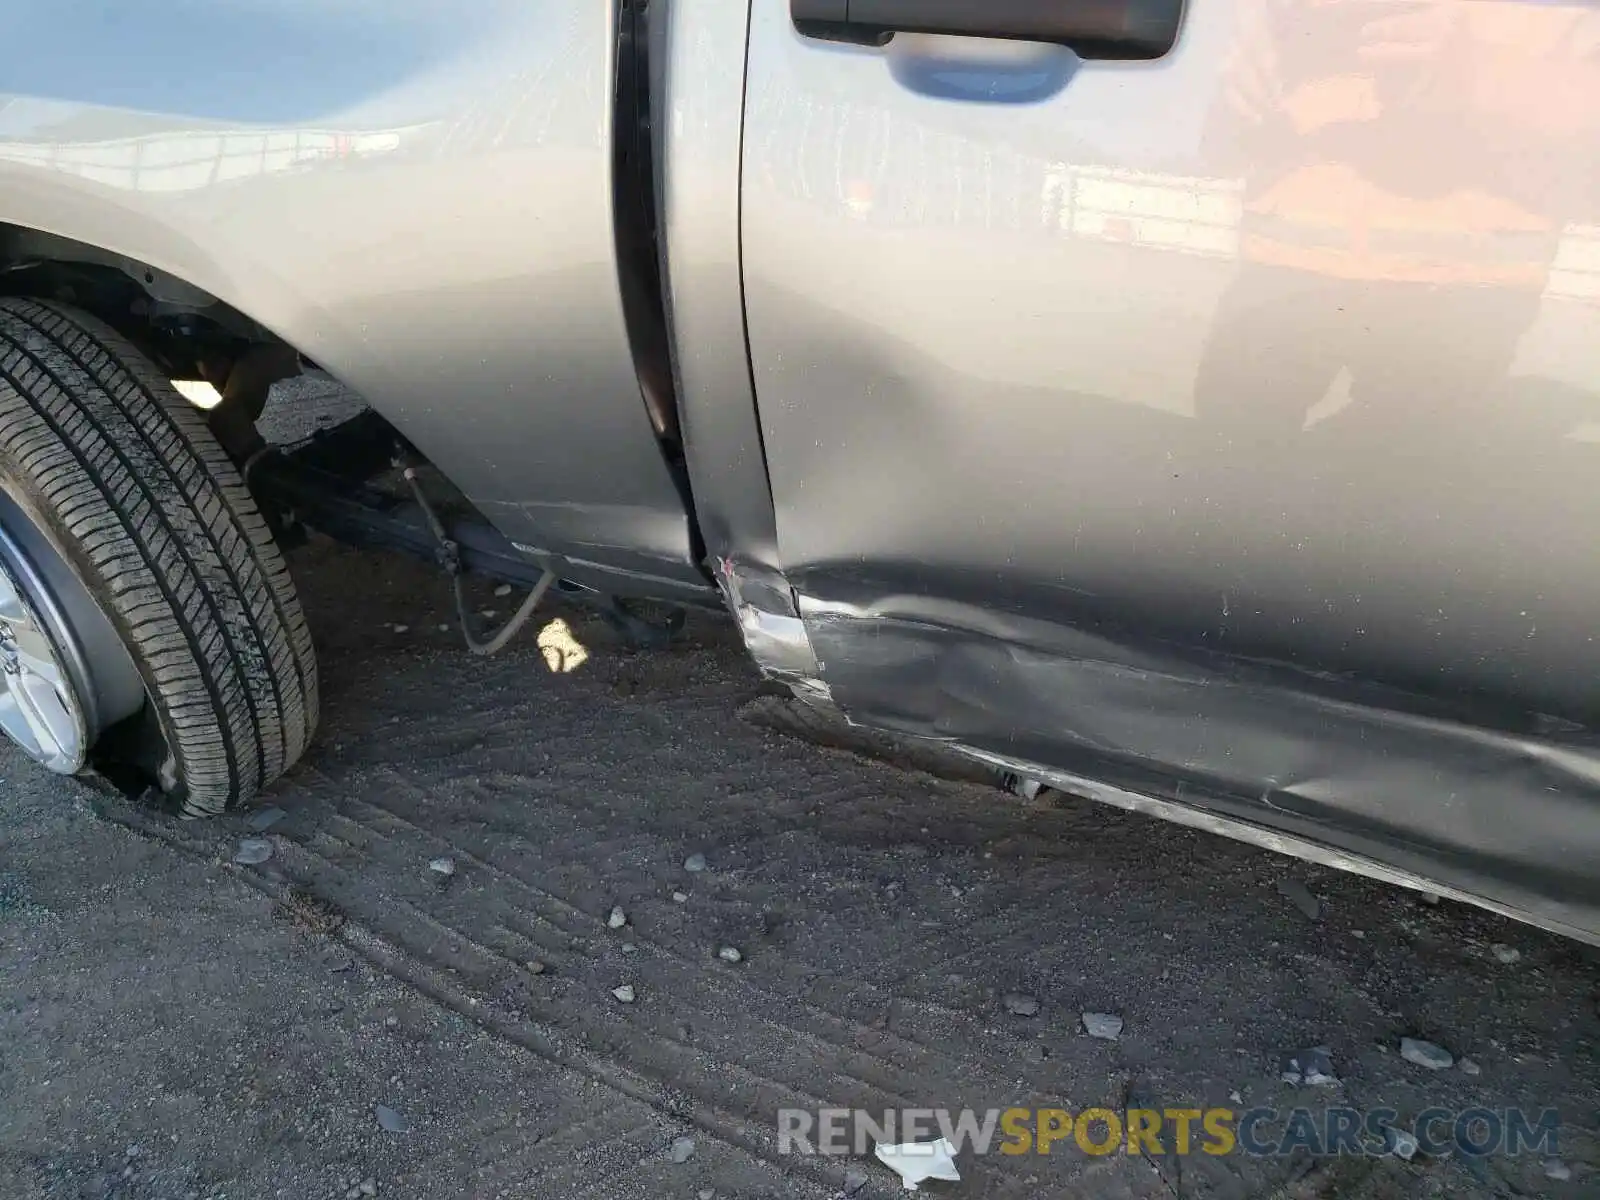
(185, 330)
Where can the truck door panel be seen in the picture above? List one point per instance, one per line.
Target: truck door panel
(1262, 375)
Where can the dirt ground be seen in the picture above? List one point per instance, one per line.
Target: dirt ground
(174, 1025)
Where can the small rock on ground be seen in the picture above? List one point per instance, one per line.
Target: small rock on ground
(1019, 1005)
(695, 863)
(682, 1150)
(503, 590)
(1468, 1067)
(680, 897)
(617, 919)
(1426, 1054)
(1401, 1143)
(391, 1120)
(1105, 1026)
(854, 1180)
(625, 994)
(252, 852)
(730, 954)
(443, 865)
(1299, 895)
(1313, 1066)
(1504, 954)
(1555, 1169)
(264, 819)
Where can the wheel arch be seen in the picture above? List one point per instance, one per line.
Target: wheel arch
(170, 271)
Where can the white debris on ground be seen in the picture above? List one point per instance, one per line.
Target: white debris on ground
(1426, 1054)
(1105, 1026)
(1401, 1144)
(443, 865)
(918, 1162)
(617, 919)
(625, 994)
(252, 852)
(391, 1121)
(1020, 1005)
(1313, 1066)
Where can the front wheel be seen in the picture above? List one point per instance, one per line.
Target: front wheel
(148, 623)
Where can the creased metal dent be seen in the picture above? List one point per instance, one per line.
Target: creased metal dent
(778, 641)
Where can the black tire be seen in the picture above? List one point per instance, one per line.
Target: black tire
(131, 487)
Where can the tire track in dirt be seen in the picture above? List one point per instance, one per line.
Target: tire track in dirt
(684, 983)
(875, 1068)
(455, 980)
(706, 1087)
(730, 1128)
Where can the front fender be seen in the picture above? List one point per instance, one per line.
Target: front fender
(417, 197)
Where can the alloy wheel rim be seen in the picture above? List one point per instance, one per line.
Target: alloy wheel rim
(40, 709)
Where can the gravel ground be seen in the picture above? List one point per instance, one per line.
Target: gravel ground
(175, 1025)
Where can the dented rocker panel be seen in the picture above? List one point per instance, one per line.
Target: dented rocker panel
(1482, 805)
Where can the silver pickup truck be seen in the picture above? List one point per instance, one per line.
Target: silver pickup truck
(1196, 407)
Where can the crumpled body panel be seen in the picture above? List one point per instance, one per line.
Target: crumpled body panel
(1461, 800)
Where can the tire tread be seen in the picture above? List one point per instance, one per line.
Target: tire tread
(169, 539)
